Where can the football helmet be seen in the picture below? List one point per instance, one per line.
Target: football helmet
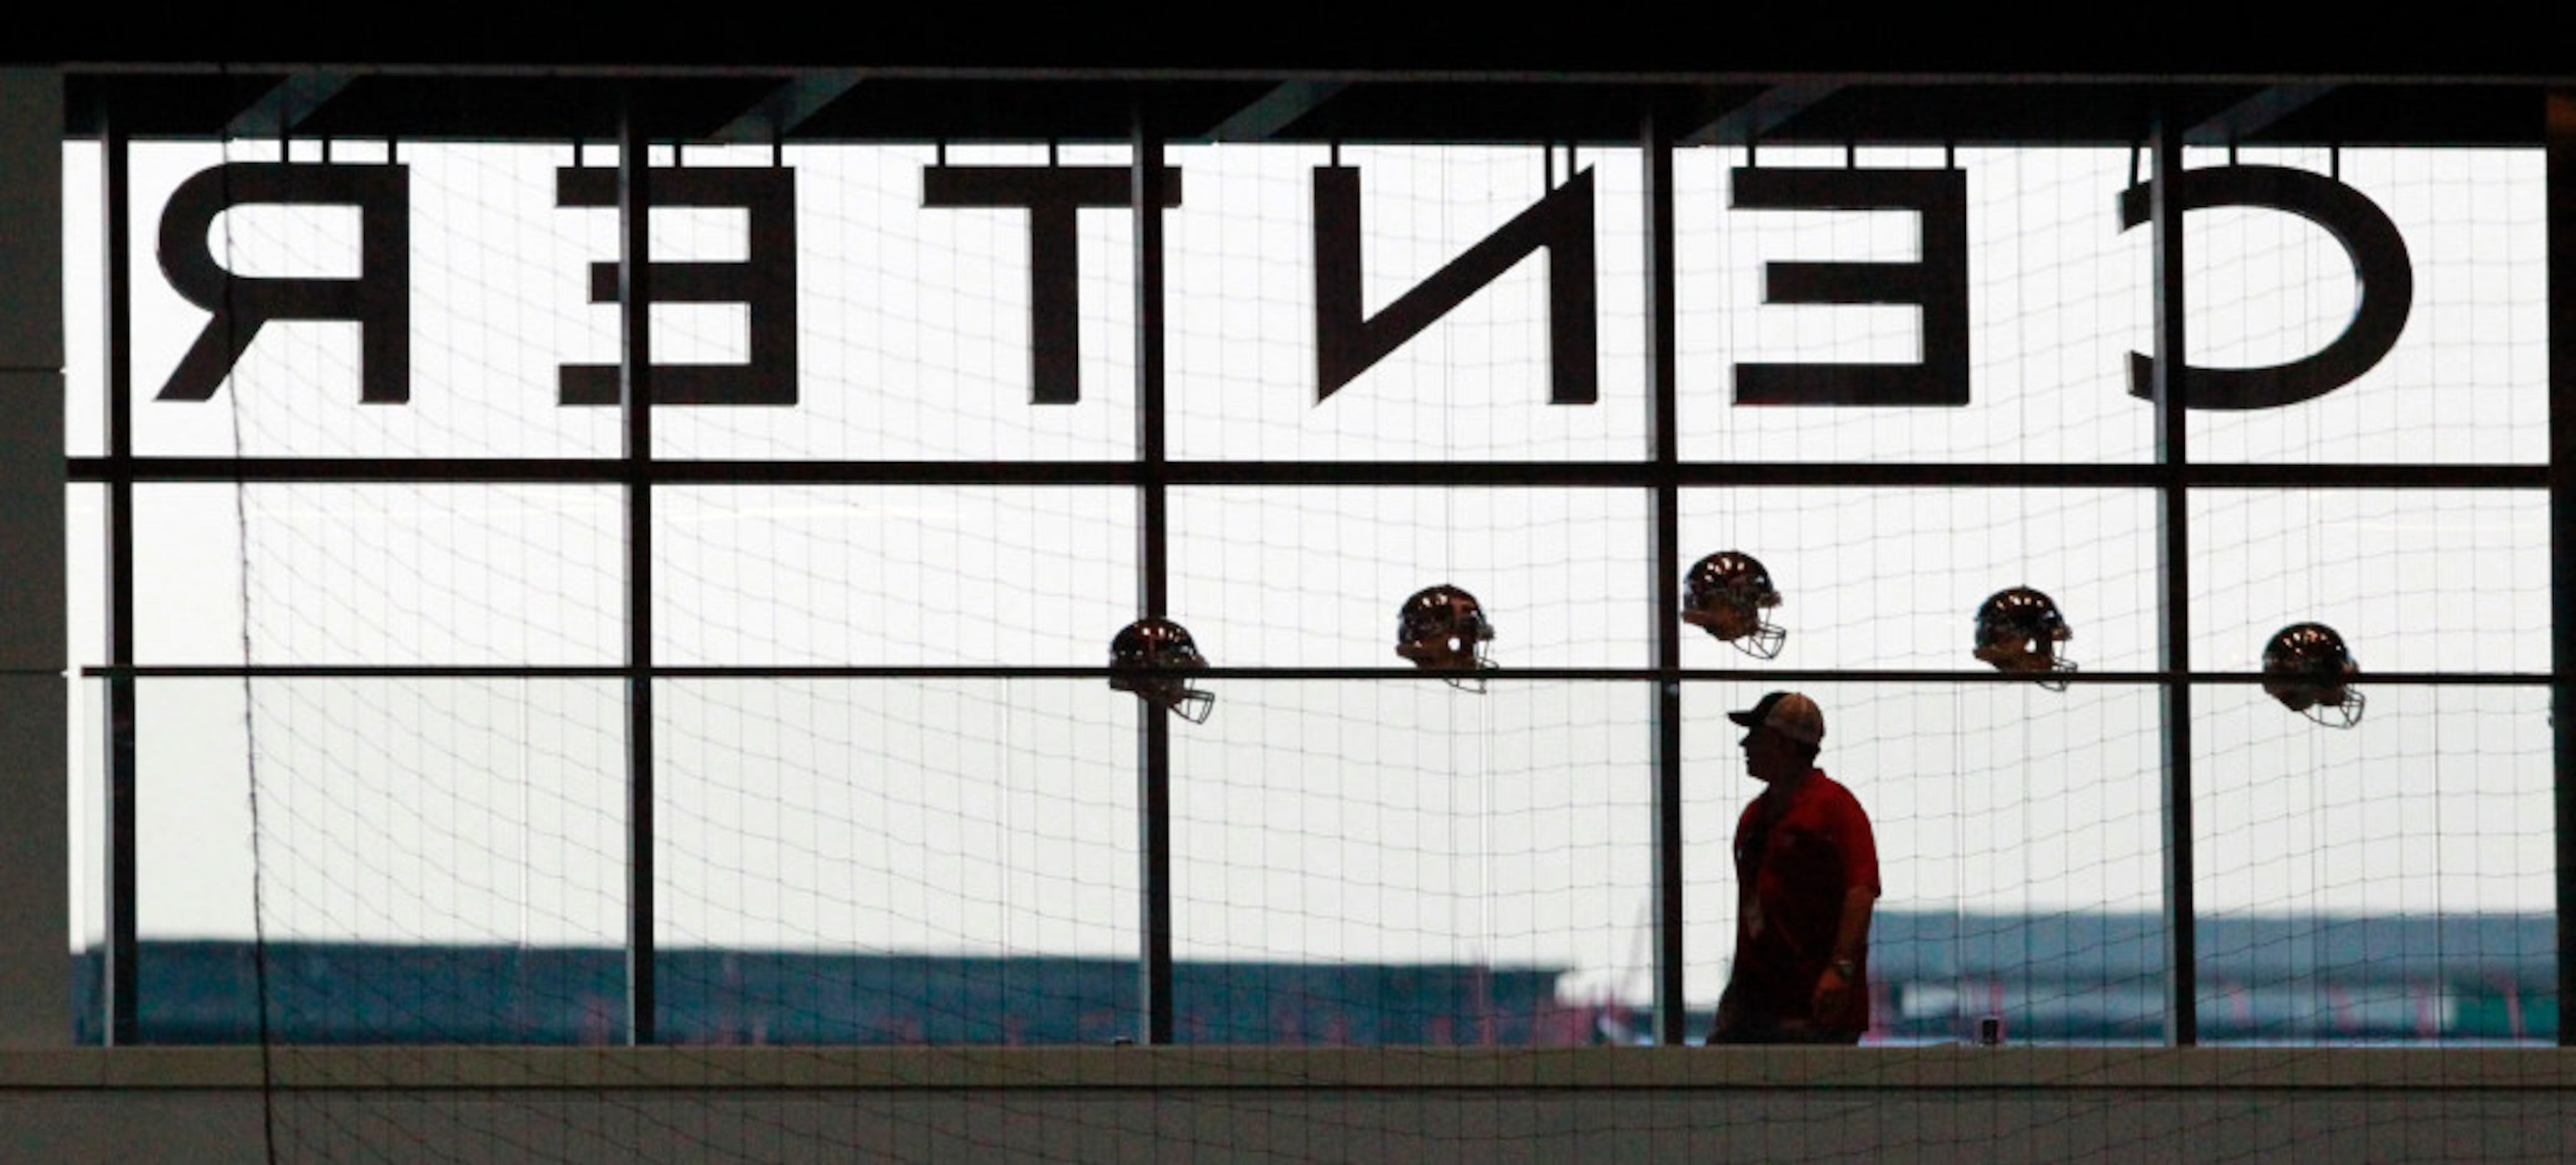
(1725, 596)
(1443, 627)
(2306, 668)
(1144, 657)
(2018, 630)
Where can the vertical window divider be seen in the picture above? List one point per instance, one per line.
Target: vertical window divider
(635, 401)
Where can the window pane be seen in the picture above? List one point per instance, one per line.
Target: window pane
(409, 849)
(1473, 384)
(1316, 577)
(1404, 861)
(2019, 845)
(896, 861)
(1889, 578)
(2410, 580)
(2057, 294)
(2388, 882)
(896, 575)
(368, 573)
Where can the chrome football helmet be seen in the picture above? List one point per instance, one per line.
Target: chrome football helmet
(2018, 630)
(1726, 595)
(1444, 628)
(1148, 657)
(2307, 668)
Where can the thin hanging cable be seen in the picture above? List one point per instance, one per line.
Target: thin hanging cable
(250, 720)
(1960, 1021)
(1448, 408)
(2028, 849)
(1485, 879)
(1006, 713)
(2319, 869)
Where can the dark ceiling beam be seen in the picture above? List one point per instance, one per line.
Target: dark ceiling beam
(285, 106)
(790, 105)
(1768, 111)
(1276, 110)
(2248, 119)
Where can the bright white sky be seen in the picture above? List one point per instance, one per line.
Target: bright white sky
(1314, 821)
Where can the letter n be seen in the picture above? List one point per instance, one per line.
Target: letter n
(1348, 343)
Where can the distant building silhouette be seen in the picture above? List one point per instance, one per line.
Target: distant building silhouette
(2069, 977)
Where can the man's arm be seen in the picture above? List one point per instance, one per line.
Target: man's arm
(1851, 935)
(1851, 941)
(1722, 1026)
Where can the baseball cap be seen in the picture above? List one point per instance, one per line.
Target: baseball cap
(1787, 713)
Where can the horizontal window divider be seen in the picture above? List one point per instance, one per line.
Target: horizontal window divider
(610, 470)
(1274, 674)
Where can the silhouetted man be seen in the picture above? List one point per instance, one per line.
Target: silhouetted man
(1806, 871)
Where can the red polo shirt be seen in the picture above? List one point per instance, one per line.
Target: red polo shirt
(1792, 880)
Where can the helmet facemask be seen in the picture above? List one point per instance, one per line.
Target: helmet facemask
(2333, 705)
(1739, 621)
(1192, 704)
(2033, 654)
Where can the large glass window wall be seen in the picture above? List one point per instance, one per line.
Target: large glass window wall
(462, 701)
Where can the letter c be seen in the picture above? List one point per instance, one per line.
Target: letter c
(2379, 266)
